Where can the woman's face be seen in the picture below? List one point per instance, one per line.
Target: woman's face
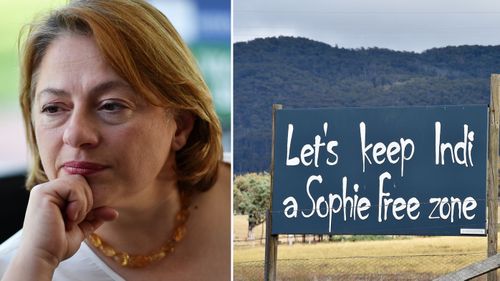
(89, 121)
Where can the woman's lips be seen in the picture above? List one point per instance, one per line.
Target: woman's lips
(82, 168)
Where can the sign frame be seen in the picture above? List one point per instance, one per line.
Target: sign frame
(271, 250)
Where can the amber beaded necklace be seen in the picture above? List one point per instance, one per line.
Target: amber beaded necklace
(128, 260)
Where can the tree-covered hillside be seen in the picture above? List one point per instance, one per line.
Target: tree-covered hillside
(299, 72)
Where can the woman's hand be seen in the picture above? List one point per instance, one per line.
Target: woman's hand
(58, 218)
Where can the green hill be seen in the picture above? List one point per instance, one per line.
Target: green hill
(299, 72)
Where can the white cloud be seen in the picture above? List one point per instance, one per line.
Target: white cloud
(396, 24)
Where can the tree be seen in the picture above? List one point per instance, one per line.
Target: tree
(252, 197)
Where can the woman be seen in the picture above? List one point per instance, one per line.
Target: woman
(127, 178)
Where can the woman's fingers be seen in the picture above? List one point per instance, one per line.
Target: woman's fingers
(60, 215)
(73, 211)
(77, 197)
(79, 211)
(95, 218)
(105, 213)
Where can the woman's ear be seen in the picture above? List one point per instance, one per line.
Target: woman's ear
(185, 122)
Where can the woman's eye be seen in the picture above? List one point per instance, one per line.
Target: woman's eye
(112, 106)
(114, 112)
(51, 109)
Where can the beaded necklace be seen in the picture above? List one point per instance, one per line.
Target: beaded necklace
(127, 260)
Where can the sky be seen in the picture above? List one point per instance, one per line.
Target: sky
(406, 25)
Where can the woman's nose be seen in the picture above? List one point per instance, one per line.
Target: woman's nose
(81, 130)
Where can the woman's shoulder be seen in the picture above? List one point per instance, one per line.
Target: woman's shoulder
(217, 199)
(10, 245)
(224, 176)
(8, 249)
(209, 229)
(220, 191)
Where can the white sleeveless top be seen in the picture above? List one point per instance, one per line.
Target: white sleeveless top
(83, 266)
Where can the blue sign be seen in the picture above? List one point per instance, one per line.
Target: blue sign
(408, 171)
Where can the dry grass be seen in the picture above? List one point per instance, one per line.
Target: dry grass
(241, 229)
(424, 256)
(419, 248)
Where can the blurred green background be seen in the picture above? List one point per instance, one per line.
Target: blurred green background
(13, 16)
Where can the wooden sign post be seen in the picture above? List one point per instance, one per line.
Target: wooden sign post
(493, 169)
(271, 254)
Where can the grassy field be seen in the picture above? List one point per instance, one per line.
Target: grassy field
(13, 16)
(241, 229)
(420, 257)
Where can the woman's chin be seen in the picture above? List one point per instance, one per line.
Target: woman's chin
(100, 194)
